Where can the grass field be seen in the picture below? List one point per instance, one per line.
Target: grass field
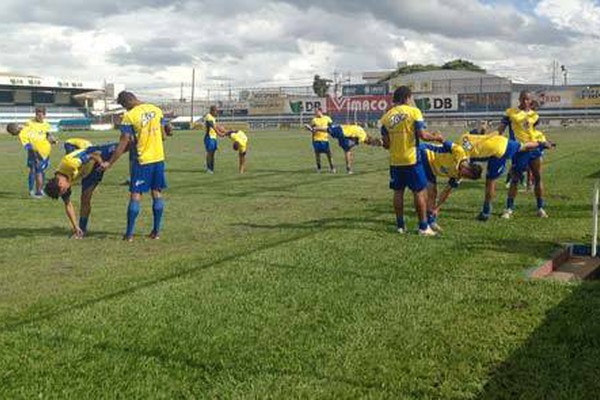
(283, 283)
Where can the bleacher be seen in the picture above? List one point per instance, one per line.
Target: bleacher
(56, 116)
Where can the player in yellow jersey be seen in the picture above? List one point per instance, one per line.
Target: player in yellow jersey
(37, 140)
(76, 144)
(79, 166)
(447, 161)
(349, 136)
(240, 144)
(402, 128)
(521, 123)
(211, 131)
(143, 132)
(320, 125)
(496, 150)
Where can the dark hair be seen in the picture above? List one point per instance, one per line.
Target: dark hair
(125, 97)
(523, 93)
(12, 128)
(51, 189)
(40, 109)
(477, 170)
(213, 108)
(402, 94)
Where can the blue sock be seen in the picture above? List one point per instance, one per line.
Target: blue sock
(132, 212)
(83, 222)
(400, 222)
(487, 208)
(158, 205)
(31, 181)
(423, 225)
(540, 203)
(431, 219)
(510, 203)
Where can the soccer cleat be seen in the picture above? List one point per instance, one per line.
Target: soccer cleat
(333, 171)
(427, 232)
(483, 217)
(507, 214)
(435, 227)
(154, 235)
(542, 213)
(350, 172)
(210, 171)
(127, 238)
(401, 230)
(318, 170)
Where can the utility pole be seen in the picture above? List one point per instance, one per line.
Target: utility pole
(554, 67)
(192, 99)
(181, 93)
(565, 73)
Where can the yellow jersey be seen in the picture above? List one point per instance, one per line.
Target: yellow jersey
(144, 124)
(241, 139)
(321, 123)
(521, 124)
(34, 135)
(485, 146)
(445, 162)
(401, 125)
(76, 165)
(354, 132)
(79, 143)
(210, 122)
(538, 136)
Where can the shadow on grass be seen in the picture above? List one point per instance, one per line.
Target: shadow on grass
(561, 359)
(11, 233)
(370, 224)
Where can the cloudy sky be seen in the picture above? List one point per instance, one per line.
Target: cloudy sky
(152, 45)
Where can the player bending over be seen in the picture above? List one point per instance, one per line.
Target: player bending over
(74, 144)
(447, 161)
(350, 136)
(82, 165)
(240, 144)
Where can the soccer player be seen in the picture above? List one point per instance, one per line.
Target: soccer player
(74, 144)
(240, 144)
(143, 127)
(447, 161)
(37, 141)
(320, 125)
(496, 150)
(350, 136)
(521, 122)
(402, 127)
(212, 130)
(81, 165)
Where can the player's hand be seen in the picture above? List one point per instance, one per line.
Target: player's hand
(308, 127)
(77, 234)
(435, 211)
(104, 165)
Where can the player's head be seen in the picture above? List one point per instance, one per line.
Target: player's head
(40, 113)
(13, 129)
(127, 100)
(236, 146)
(470, 170)
(402, 95)
(213, 110)
(57, 186)
(319, 112)
(535, 105)
(525, 100)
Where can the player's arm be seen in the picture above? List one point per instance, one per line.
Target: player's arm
(121, 148)
(503, 124)
(385, 138)
(51, 138)
(71, 216)
(452, 184)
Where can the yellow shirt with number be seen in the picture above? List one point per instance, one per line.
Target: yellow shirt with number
(210, 122)
(521, 124)
(36, 134)
(76, 165)
(241, 139)
(144, 123)
(355, 132)
(321, 123)
(444, 163)
(400, 124)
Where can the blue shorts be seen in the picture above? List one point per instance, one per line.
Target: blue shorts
(69, 148)
(38, 164)
(429, 175)
(347, 143)
(523, 159)
(497, 166)
(211, 145)
(412, 176)
(95, 177)
(321, 147)
(147, 177)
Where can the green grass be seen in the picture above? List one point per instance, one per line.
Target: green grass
(287, 284)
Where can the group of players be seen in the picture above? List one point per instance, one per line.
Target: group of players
(417, 158)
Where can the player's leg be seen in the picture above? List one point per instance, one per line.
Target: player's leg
(139, 184)
(242, 162)
(432, 194)
(520, 163)
(330, 160)
(399, 209)
(348, 158)
(31, 181)
(86, 207)
(536, 171)
(318, 161)
(158, 184)
(416, 179)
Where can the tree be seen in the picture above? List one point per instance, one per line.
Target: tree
(458, 64)
(321, 86)
(464, 65)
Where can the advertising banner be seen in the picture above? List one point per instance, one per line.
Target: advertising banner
(484, 101)
(587, 97)
(554, 98)
(306, 105)
(267, 104)
(437, 102)
(376, 104)
(379, 89)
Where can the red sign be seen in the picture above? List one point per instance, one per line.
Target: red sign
(359, 103)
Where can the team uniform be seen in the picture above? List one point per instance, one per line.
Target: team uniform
(320, 139)
(521, 125)
(493, 148)
(34, 138)
(76, 144)
(143, 124)
(400, 124)
(241, 139)
(210, 137)
(443, 161)
(348, 136)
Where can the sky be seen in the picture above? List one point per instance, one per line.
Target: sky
(151, 46)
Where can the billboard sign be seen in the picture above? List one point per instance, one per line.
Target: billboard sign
(437, 102)
(484, 101)
(379, 89)
(376, 104)
(267, 104)
(306, 105)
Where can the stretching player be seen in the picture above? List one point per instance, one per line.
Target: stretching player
(37, 141)
(142, 128)
(76, 144)
(447, 161)
(401, 128)
(80, 165)
(240, 144)
(212, 130)
(320, 125)
(521, 122)
(350, 136)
